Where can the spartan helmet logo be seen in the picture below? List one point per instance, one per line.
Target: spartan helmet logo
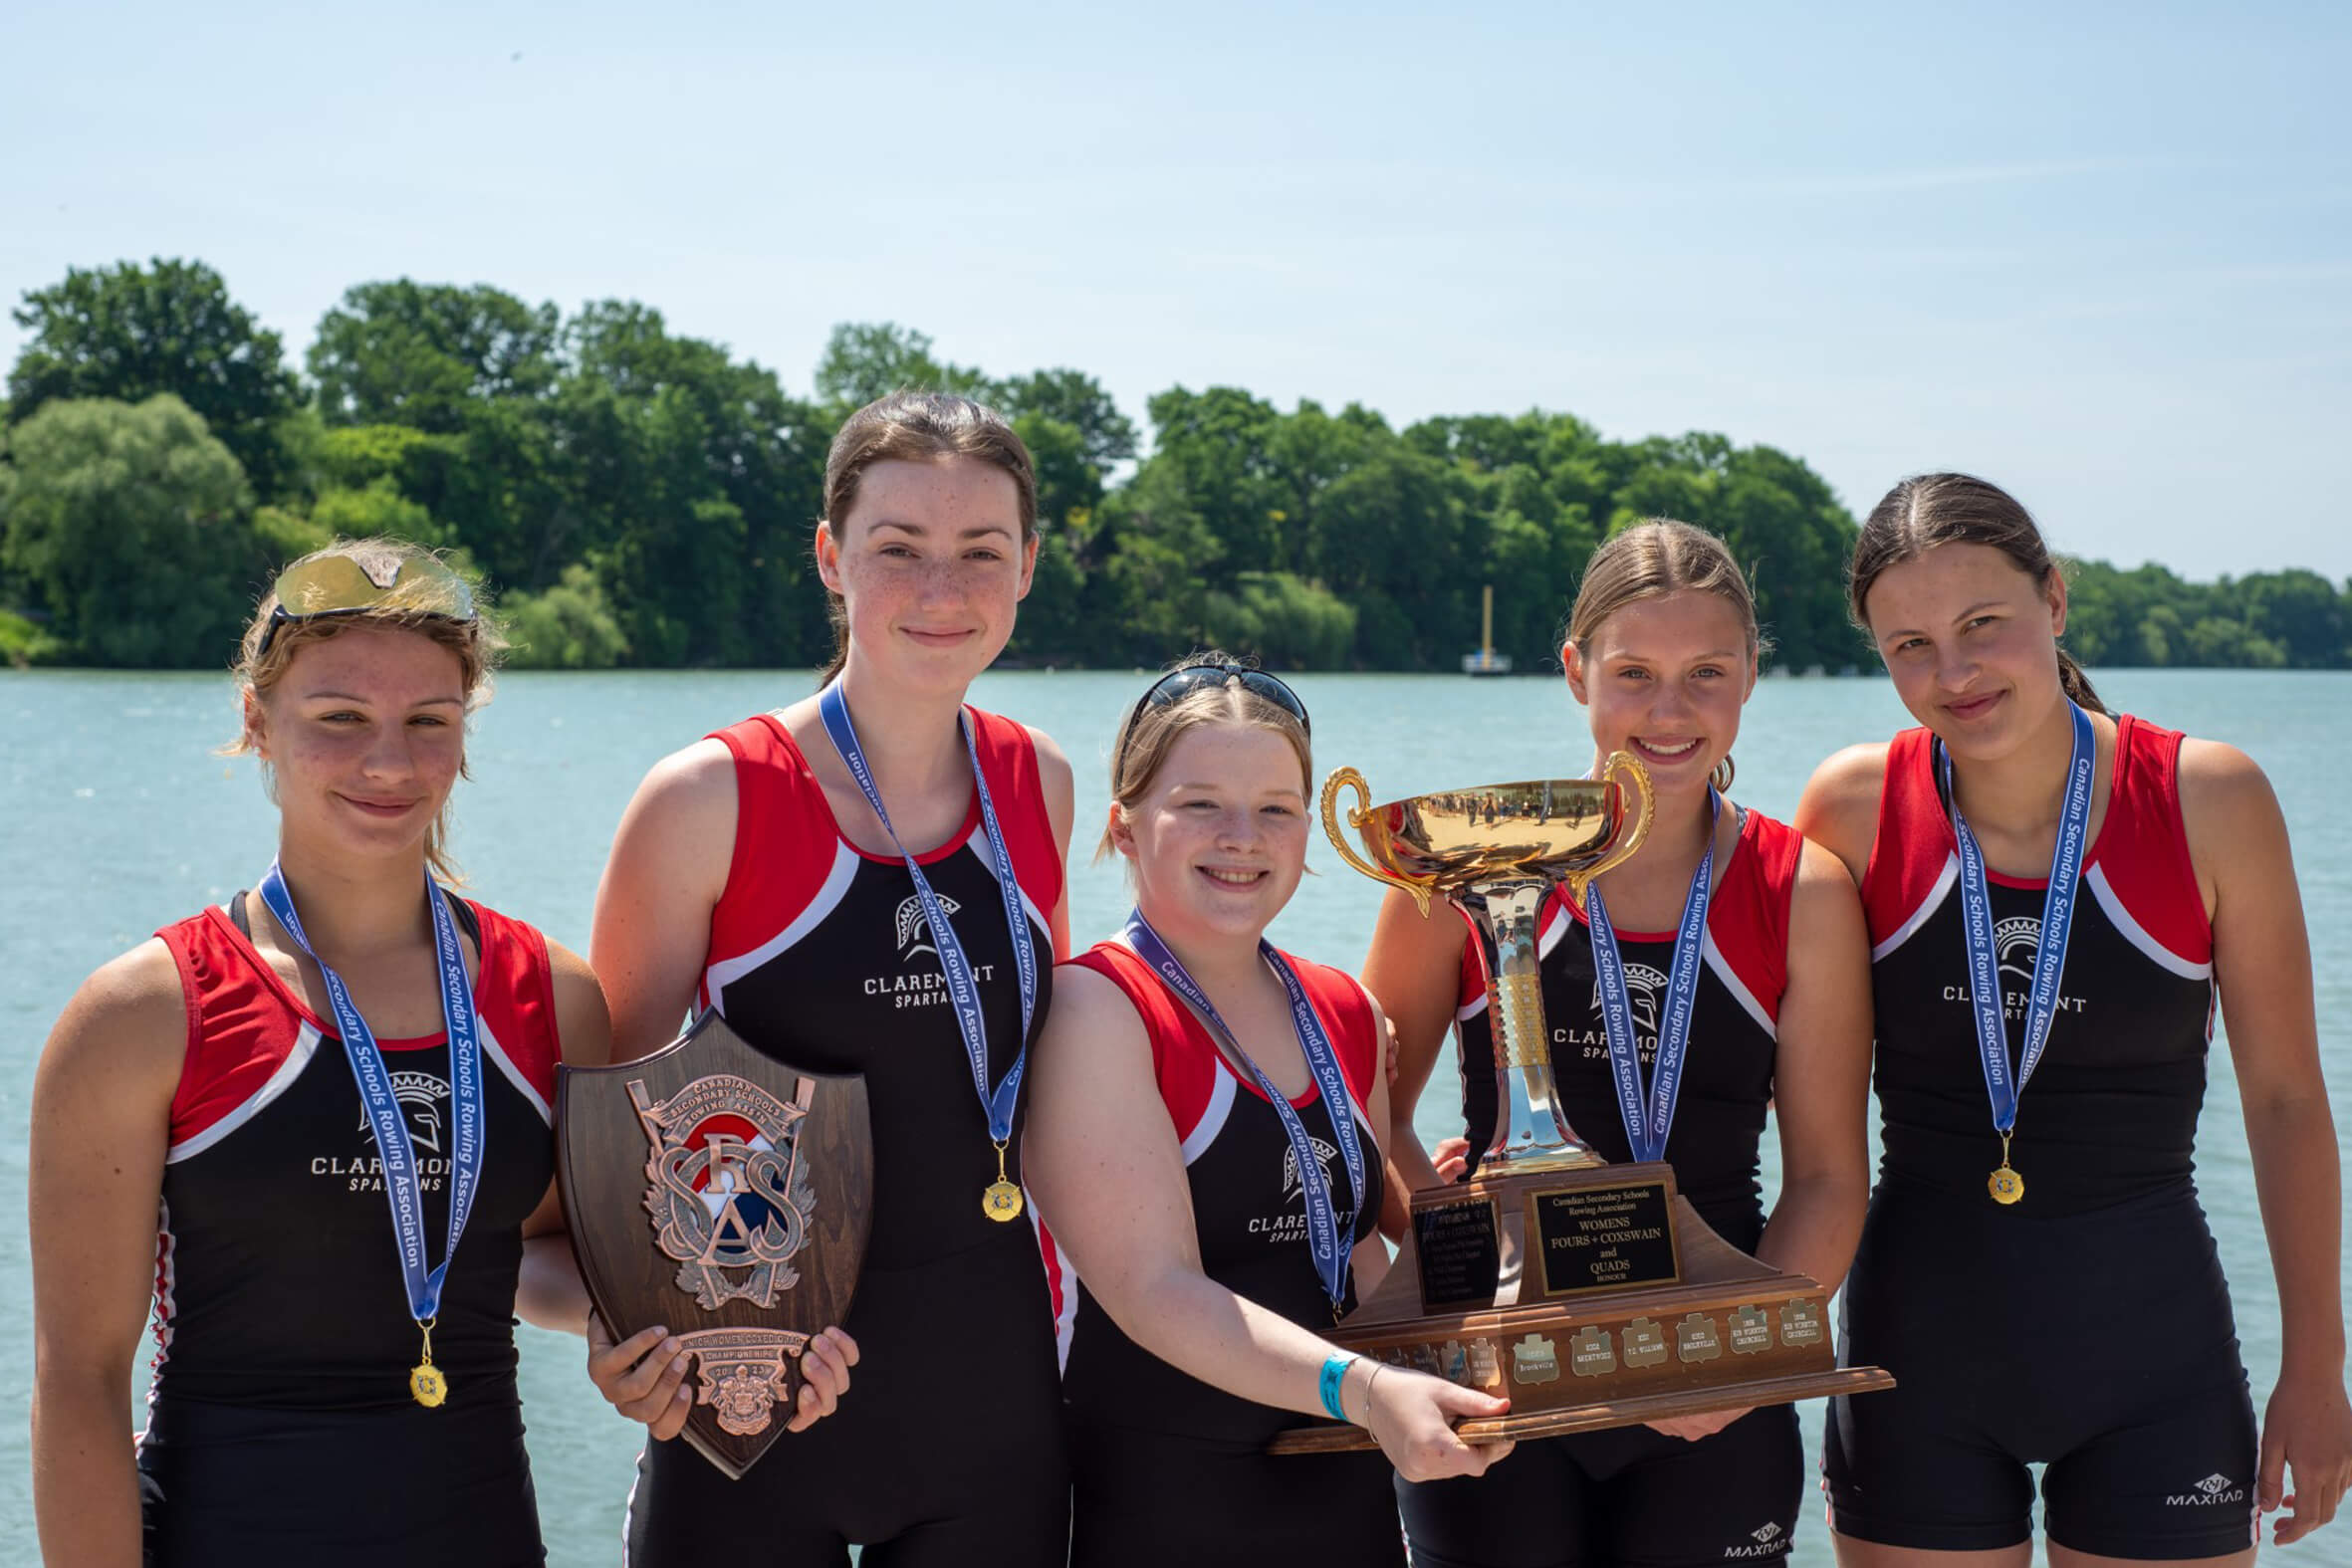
(914, 927)
(1644, 987)
(417, 1094)
(2016, 942)
(1324, 1154)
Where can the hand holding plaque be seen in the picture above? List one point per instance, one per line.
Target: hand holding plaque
(714, 1190)
(1590, 1295)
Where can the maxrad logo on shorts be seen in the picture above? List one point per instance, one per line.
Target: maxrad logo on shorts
(2214, 1489)
(1770, 1541)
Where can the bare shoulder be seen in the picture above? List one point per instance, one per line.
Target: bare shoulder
(1839, 807)
(698, 776)
(128, 1021)
(1053, 763)
(583, 1021)
(1826, 904)
(2226, 806)
(1089, 1006)
(2218, 776)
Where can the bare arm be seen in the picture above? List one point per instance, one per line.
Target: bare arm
(1414, 973)
(2238, 842)
(1109, 1178)
(1839, 807)
(1821, 1077)
(548, 1292)
(651, 933)
(101, 1114)
(1060, 809)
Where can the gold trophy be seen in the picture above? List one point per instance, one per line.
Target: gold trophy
(1590, 1295)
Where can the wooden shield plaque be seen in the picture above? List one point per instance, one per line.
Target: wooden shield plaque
(727, 1195)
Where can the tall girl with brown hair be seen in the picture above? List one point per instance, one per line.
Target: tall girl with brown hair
(812, 873)
(2056, 896)
(1662, 651)
(225, 1113)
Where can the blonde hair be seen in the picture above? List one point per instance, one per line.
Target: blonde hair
(1151, 731)
(263, 659)
(1649, 561)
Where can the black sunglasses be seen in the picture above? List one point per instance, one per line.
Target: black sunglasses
(1183, 681)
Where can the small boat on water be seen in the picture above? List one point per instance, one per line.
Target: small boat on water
(1485, 661)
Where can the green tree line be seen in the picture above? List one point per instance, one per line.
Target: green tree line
(640, 498)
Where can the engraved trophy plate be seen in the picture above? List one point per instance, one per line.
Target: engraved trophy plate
(1751, 1331)
(1801, 1323)
(715, 1190)
(1592, 1353)
(1696, 1339)
(1645, 1343)
(1532, 1361)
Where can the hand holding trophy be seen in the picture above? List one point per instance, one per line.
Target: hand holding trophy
(1592, 1296)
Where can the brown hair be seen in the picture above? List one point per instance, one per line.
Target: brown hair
(916, 428)
(477, 644)
(1654, 557)
(1151, 730)
(1928, 510)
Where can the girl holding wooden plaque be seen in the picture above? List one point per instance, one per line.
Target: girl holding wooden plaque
(838, 878)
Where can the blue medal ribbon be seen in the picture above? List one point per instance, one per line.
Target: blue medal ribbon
(962, 989)
(403, 1188)
(1646, 1128)
(2057, 919)
(1328, 1241)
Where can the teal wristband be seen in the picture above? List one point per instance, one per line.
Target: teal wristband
(1334, 1370)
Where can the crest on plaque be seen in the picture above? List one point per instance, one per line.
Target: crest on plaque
(723, 1192)
(728, 1194)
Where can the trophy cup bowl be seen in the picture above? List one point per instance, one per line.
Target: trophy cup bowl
(1496, 852)
(1589, 1294)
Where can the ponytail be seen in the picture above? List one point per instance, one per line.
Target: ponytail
(2076, 684)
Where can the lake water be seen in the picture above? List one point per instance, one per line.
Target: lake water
(119, 818)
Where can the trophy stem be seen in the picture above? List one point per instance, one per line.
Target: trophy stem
(1532, 1132)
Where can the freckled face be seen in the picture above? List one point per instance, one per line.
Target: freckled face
(1972, 641)
(1219, 843)
(930, 563)
(1665, 679)
(366, 734)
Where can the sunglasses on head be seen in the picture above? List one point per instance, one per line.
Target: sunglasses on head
(1183, 681)
(340, 586)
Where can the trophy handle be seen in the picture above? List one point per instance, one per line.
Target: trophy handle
(1628, 768)
(1349, 779)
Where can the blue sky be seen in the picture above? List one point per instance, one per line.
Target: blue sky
(2099, 253)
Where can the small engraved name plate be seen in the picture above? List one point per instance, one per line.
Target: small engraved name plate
(1645, 1343)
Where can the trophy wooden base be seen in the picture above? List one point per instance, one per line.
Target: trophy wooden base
(1589, 1298)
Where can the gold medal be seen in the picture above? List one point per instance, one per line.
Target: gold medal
(1001, 1200)
(427, 1384)
(2005, 1185)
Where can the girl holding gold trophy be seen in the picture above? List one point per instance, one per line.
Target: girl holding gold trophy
(1662, 1049)
(1206, 1149)
(2058, 897)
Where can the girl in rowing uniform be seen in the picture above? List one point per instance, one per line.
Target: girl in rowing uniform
(2055, 895)
(1206, 1150)
(226, 1112)
(1662, 651)
(831, 876)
